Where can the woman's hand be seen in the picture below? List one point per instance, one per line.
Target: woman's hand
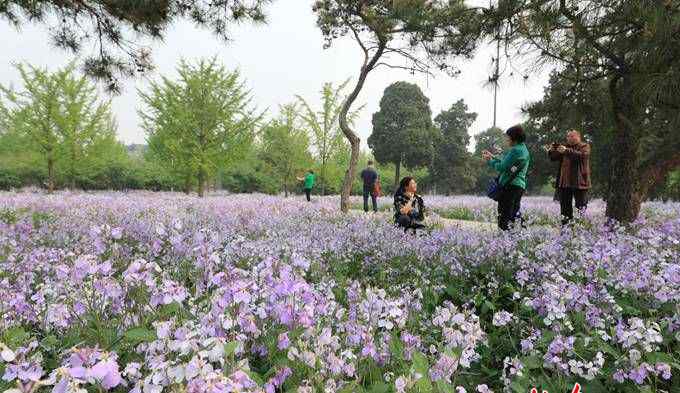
(487, 155)
(408, 207)
(561, 149)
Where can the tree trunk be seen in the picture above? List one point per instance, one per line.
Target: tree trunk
(397, 171)
(50, 172)
(624, 199)
(187, 184)
(351, 136)
(73, 169)
(323, 177)
(653, 175)
(201, 183)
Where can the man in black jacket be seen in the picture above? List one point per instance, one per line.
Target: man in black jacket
(370, 176)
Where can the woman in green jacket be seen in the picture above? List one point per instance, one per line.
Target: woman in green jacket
(308, 180)
(512, 167)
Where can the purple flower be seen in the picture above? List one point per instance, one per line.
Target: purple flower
(284, 342)
(664, 370)
(106, 372)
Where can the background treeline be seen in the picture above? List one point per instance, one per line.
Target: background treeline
(203, 133)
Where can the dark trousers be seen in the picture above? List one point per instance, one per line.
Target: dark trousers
(308, 194)
(509, 205)
(407, 222)
(374, 201)
(567, 196)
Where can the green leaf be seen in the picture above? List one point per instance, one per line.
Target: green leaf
(593, 386)
(424, 384)
(488, 306)
(445, 387)
(454, 352)
(659, 357)
(255, 377)
(532, 362)
(230, 348)
(351, 387)
(396, 347)
(379, 387)
(601, 273)
(452, 291)
(606, 348)
(420, 363)
(49, 343)
(422, 367)
(14, 337)
(140, 335)
(519, 386)
(169, 310)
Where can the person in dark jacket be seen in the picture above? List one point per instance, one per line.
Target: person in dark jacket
(512, 167)
(409, 208)
(573, 180)
(369, 176)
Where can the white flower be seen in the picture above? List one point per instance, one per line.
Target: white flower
(484, 389)
(176, 374)
(635, 356)
(502, 318)
(400, 384)
(7, 354)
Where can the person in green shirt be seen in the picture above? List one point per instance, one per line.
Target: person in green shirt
(512, 167)
(308, 184)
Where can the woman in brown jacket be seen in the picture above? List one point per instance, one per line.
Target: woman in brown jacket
(573, 181)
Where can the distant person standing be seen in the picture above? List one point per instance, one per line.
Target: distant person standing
(573, 179)
(370, 178)
(308, 180)
(513, 168)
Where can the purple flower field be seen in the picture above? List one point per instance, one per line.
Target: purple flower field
(148, 292)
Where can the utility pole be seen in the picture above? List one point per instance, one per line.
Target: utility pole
(496, 76)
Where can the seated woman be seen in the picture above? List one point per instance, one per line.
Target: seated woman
(409, 209)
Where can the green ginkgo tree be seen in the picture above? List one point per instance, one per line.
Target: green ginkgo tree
(198, 123)
(323, 126)
(61, 114)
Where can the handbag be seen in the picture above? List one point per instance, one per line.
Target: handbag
(376, 189)
(495, 189)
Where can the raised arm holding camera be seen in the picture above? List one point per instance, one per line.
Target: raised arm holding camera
(573, 179)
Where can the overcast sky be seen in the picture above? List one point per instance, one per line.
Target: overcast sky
(282, 59)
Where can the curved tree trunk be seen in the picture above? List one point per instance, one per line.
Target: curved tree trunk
(354, 141)
(624, 199)
(654, 174)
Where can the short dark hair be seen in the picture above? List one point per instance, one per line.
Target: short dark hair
(311, 171)
(516, 134)
(370, 162)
